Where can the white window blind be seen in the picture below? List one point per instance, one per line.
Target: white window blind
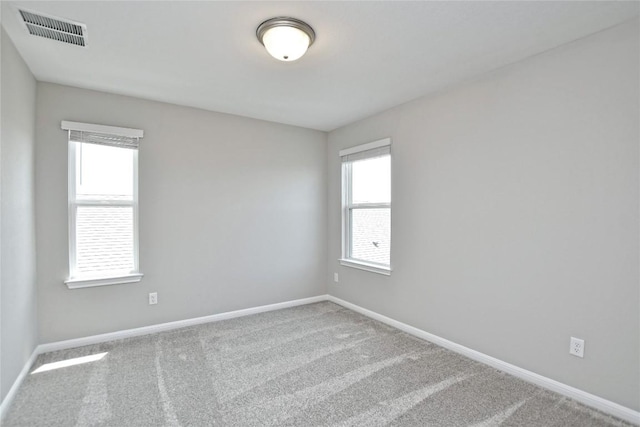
(103, 139)
(103, 204)
(366, 207)
(368, 154)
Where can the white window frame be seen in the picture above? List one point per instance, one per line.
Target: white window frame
(75, 281)
(348, 206)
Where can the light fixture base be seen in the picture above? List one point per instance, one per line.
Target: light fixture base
(286, 39)
(285, 21)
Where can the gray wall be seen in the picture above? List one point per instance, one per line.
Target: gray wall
(232, 214)
(515, 214)
(18, 248)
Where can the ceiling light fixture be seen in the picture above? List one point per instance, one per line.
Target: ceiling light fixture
(286, 39)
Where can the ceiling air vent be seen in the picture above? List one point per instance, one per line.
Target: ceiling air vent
(55, 29)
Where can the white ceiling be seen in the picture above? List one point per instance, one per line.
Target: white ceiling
(368, 56)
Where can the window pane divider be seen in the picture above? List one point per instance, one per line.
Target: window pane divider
(370, 206)
(104, 202)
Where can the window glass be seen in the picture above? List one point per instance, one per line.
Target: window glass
(371, 235)
(371, 180)
(104, 240)
(104, 172)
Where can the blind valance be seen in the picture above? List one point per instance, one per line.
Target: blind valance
(103, 135)
(366, 151)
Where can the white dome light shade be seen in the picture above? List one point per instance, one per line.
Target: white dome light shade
(286, 39)
(285, 43)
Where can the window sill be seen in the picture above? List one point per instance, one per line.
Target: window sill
(77, 282)
(361, 265)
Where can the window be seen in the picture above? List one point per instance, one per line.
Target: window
(366, 206)
(103, 205)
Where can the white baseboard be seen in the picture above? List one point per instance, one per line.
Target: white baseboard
(8, 399)
(145, 330)
(588, 399)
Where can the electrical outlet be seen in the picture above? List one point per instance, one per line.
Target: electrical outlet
(153, 298)
(576, 348)
(335, 277)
